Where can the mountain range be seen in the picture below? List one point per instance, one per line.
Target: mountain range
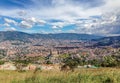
(21, 36)
(108, 41)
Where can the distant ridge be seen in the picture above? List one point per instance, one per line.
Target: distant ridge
(108, 41)
(22, 36)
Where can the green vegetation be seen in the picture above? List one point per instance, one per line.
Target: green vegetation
(100, 75)
(2, 62)
(70, 62)
(109, 61)
(3, 53)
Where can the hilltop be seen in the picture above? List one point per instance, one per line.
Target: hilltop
(21, 36)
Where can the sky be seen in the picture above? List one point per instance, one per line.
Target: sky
(98, 17)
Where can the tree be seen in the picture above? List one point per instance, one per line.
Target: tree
(95, 62)
(70, 63)
(109, 61)
(2, 62)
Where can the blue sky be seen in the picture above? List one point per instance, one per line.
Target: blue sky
(99, 17)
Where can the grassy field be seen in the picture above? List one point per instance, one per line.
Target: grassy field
(101, 75)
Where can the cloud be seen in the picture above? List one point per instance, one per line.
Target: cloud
(22, 13)
(41, 22)
(106, 25)
(81, 13)
(58, 25)
(10, 29)
(54, 27)
(47, 3)
(81, 3)
(25, 24)
(6, 25)
(30, 22)
(10, 21)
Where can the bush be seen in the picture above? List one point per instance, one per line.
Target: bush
(2, 62)
(71, 62)
(109, 61)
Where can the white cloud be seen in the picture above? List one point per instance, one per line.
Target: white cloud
(30, 22)
(41, 22)
(63, 9)
(70, 12)
(108, 24)
(6, 25)
(25, 24)
(54, 27)
(10, 21)
(58, 25)
(10, 29)
(111, 6)
(22, 13)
